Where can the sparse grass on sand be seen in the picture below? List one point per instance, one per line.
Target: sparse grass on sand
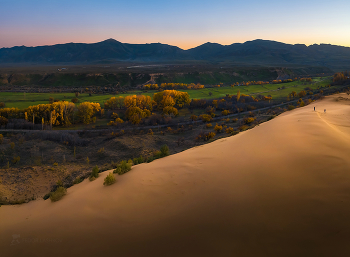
(109, 180)
(58, 194)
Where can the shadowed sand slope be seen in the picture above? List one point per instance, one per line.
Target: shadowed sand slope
(280, 189)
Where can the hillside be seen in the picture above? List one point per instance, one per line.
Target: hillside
(280, 189)
(257, 52)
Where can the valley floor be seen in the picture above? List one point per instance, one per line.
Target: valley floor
(280, 189)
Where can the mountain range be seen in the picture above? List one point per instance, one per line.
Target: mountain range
(256, 52)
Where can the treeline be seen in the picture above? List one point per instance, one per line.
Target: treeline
(60, 113)
(138, 107)
(341, 76)
(173, 86)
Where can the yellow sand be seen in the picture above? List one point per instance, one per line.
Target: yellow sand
(280, 189)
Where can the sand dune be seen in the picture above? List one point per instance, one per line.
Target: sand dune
(280, 189)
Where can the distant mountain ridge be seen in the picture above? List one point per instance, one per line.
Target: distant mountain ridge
(256, 52)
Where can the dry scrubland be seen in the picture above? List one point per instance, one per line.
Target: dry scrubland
(280, 189)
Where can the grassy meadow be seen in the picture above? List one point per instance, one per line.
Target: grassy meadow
(24, 100)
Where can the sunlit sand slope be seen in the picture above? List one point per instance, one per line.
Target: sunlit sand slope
(280, 189)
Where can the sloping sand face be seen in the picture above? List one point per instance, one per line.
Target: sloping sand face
(280, 189)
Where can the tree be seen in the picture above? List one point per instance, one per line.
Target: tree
(114, 103)
(169, 110)
(238, 95)
(86, 110)
(181, 99)
(136, 114)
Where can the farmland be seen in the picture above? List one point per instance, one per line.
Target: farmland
(277, 91)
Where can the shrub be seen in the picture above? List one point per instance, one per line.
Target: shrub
(101, 151)
(123, 168)
(164, 150)
(229, 130)
(58, 194)
(1, 138)
(150, 132)
(291, 107)
(302, 93)
(234, 120)
(12, 145)
(249, 120)
(208, 125)
(55, 164)
(205, 117)
(205, 136)
(78, 180)
(87, 160)
(193, 117)
(15, 159)
(157, 154)
(243, 127)
(218, 128)
(94, 174)
(2, 105)
(3, 121)
(225, 112)
(109, 180)
(75, 100)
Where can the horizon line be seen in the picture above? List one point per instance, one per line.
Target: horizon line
(174, 45)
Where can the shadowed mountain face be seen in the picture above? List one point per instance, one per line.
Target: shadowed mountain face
(257, 52)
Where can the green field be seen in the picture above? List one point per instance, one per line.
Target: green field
(21, 100)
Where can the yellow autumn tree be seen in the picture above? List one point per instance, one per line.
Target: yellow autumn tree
(181, 99)
(141, 101)
(136, 114)
(87, 110)
(114, 103)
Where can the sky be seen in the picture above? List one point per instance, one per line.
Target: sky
(183, 23)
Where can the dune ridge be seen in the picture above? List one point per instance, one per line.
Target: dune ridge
(280, 189)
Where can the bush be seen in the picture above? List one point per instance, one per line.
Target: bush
(58, 194)
(15, 159)
(205, 136)
(78, 180)
(101, 151)
(234, 120)
(205, 117)
(123, 168)
(291, 107)
(249, 120)
(218, 128)
(157, 154)
(243, 127)
(109, 180)
(193, 117)
(229, 130)
(75, 100)
(208, 125)
(94, 174)
(140, 159)
(3, 121)
(1, 138)
(225, 112)
(164, 150)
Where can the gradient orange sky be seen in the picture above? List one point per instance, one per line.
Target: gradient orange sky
(182, 23)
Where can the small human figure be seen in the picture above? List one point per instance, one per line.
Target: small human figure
(324, 110)
(314, 108)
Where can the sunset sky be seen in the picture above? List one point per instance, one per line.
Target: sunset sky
(184, 23)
